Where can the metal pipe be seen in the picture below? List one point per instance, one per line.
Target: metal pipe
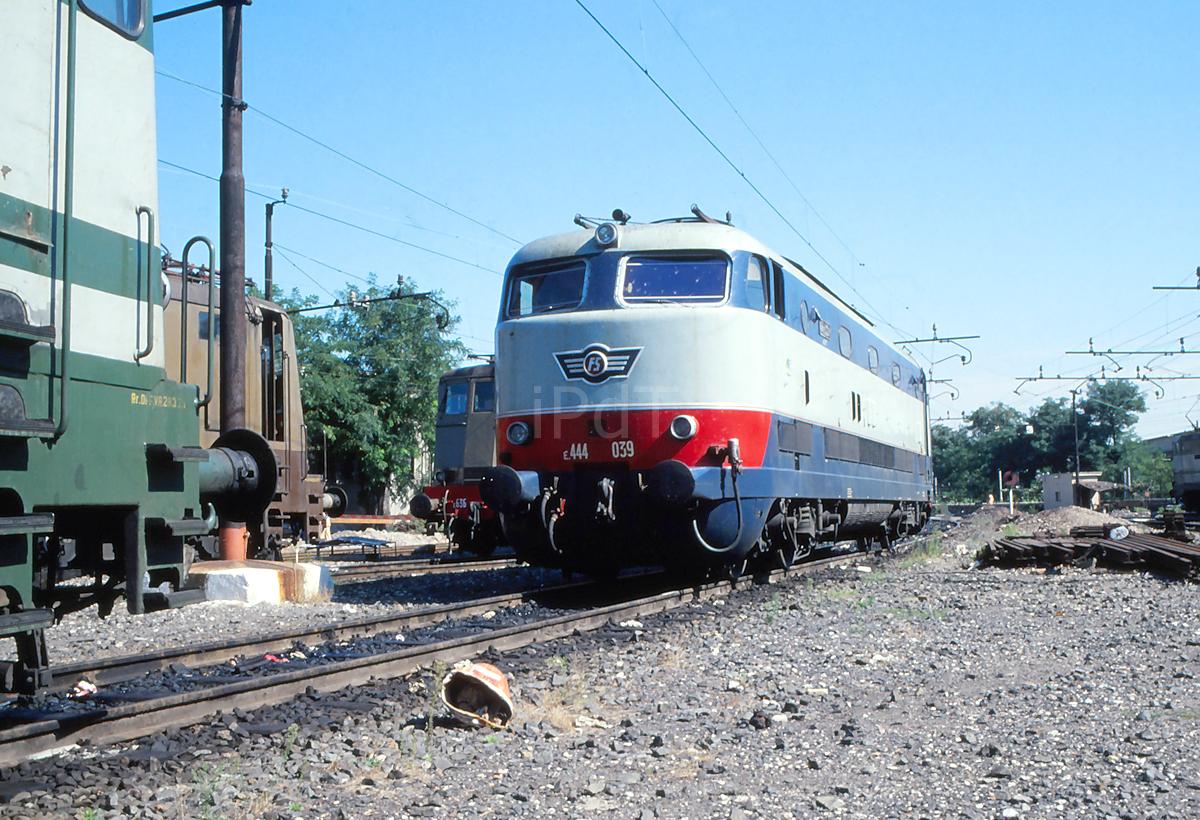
(68, 215)
(171, 15)
(183, 335)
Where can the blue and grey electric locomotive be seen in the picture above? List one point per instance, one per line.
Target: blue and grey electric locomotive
(679, 393)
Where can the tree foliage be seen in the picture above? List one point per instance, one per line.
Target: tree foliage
(999, 437)
(368, 375)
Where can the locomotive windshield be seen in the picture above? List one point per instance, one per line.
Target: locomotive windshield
(454, 398)
(659, 279)
(545, 289)
(485, 397)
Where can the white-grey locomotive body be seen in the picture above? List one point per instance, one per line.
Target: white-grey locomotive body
(679, 393)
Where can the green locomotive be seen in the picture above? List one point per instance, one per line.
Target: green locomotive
(102, 476)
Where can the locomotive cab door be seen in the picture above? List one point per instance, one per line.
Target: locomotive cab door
(451, 434)
(481, 428)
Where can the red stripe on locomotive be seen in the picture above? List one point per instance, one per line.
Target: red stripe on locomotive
(638, 438)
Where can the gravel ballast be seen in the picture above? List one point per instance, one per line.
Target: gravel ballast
(83, 636)
(918, 688)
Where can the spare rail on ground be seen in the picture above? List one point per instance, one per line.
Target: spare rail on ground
(1102, 544)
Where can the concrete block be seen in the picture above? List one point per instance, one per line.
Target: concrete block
(262, 582)
(311, 584)
(244, 584)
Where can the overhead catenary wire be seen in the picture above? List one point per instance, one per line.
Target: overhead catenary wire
(308, 275)
(335, 268)
(345, 222)
(343, 155)
(734, 166)
(284, 250)
(749, 128)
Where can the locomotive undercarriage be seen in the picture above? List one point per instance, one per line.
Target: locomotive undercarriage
(600, 521)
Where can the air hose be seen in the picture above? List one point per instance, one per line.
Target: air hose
(735, 469)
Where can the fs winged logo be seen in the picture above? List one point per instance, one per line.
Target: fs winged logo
(597, 363)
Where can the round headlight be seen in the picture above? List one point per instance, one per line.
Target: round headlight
(440, 476)
(606, 234)
(518, 433)
(684, 427)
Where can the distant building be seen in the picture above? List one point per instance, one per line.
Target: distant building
(1059, 490)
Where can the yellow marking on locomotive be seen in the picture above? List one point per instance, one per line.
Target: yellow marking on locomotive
(140, 399)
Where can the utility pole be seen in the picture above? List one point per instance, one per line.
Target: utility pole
(268, 262)
(233, 251)
(1075, 421)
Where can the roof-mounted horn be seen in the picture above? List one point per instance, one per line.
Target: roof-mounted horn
(703, 217)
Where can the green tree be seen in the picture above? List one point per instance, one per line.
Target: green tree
(369, 370)
(999, 437)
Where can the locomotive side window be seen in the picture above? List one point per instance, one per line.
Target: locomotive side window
(895, 374)
(688, 279)
(845, 342)
(777, 292)
(542, 290)
(126, 16)
(485, 397)
(872, 359)
(756, 291)
(454, 399)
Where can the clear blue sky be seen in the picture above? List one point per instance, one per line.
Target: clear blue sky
(1023, 171)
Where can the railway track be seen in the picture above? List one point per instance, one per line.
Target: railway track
(405, 567)
(45, 733)
(118, 669)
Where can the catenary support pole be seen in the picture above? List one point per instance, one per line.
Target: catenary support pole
(233, 251)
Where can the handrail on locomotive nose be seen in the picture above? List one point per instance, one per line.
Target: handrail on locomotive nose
(183, 335)
(142, 353)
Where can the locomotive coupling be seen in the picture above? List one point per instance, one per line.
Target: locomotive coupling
(424, 507)
(670, 483)
(334, 501)
(503, 488)
(238, 475)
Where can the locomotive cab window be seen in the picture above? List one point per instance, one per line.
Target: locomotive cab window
(454, 399)
(485, 397)
(845, 342)
(688, 280)
(125, 16)
(756, 289)
(545, 289)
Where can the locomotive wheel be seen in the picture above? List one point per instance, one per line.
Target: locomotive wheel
(459, 534)
(482, 542)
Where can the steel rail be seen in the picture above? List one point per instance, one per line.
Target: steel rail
(411, 567)
(138, 719)
(116, 669)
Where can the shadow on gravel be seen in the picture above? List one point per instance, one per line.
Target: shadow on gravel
(446, 588)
